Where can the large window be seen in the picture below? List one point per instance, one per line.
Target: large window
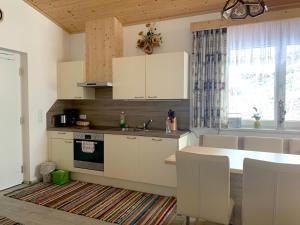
(264, 72)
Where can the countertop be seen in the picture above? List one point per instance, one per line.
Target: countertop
(118, 131)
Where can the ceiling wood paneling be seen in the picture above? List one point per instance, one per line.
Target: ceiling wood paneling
(73, 14)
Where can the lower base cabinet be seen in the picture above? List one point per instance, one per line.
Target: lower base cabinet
(140, 159)
(121, 157)
(61, 150)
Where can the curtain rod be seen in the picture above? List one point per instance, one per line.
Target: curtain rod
(268, 16)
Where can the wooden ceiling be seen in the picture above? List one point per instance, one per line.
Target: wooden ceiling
(72, 15)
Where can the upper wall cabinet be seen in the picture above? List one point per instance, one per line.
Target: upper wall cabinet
(159, 76)
(129, 77)
(69, 74)
(104, 40)
(167, 76)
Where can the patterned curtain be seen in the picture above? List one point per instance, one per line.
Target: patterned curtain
(208, 78)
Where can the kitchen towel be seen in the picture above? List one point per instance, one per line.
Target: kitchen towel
(88, 147)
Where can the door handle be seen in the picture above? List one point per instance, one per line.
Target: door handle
(77, 97)
(131, 138)
(68, 142)
(139, 97)
(62, 133)
(152, 97)
(155, 139)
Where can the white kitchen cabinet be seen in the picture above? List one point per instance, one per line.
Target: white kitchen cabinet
(167, 76)
(129, 77)
(61, 150)
(153, 169)
(121, 156)
(69, 75)
(141, 159)
(158, 76)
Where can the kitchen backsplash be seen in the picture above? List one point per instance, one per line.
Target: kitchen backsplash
(105, 112)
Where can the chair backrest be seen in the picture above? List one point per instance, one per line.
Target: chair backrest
(220, 141)
(294, 146)
(203, 186)
(263, 144)
(271, 193)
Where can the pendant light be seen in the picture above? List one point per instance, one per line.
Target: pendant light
(240, 9)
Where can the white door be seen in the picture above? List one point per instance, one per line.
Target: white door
(11, 157)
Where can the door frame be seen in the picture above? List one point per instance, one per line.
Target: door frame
(24, 112)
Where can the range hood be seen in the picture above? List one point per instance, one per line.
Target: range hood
(95, 84)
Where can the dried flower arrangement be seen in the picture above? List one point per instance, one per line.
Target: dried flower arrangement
(147, 41)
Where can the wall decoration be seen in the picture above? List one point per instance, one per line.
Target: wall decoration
(150, 39)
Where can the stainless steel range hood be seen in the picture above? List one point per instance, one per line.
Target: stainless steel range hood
(95, 84)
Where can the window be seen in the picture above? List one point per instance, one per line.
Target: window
(263, 70)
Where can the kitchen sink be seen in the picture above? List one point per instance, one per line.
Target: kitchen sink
(132, 129)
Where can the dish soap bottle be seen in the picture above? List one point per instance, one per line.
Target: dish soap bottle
(123, 120)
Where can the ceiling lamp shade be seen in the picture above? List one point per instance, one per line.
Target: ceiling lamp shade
(240, 9)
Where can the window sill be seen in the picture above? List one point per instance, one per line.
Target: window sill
(263, 130)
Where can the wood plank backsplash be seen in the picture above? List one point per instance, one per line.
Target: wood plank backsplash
(105, 112)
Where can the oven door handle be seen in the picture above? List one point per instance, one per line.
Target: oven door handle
(80, 142)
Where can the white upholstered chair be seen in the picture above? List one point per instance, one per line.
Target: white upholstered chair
(294, 146)
(271, 193)
(263, 144)
(203, 187)
(220, 141)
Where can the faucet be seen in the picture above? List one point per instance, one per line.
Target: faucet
(147, 124)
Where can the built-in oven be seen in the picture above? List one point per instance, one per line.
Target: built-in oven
(89, 151)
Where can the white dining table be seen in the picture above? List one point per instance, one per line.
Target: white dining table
(236, 157)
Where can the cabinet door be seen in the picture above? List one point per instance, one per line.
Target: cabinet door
(69, 75)
(167, 76)
(121, 157)
(153, 169)
(61, 152)
(129, 77)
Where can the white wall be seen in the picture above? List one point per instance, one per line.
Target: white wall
(176, 37)
(26, 30)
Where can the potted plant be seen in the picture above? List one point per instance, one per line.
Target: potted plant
(257, 117)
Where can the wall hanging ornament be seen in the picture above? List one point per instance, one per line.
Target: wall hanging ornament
(150, 39)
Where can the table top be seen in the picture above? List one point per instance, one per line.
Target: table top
(236, 157)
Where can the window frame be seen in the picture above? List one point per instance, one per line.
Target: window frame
(279, 93)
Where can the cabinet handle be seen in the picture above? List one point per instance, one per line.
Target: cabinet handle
(76, 97)
(62, 133)
(131, 138)
(137, 97)
(68, 142)
(153, 97)
(154, 139)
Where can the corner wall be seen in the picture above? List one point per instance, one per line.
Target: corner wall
(26, 30)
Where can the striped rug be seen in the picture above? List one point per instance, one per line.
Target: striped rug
(109, 204)
(6, 221)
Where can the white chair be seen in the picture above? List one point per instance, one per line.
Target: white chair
(220, 141)
(203, 187)
(270, 193)
(263, 144)
(294, 146)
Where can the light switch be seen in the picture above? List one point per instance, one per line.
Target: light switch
(40, 116)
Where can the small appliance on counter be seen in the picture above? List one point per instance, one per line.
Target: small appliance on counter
(60, 120)
(72, 116)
